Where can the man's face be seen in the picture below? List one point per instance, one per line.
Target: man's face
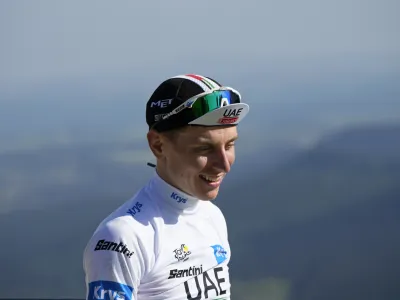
(197, 159)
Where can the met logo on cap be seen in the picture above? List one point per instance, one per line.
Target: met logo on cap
(161, 103)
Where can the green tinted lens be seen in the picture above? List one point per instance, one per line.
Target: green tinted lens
(213, 101)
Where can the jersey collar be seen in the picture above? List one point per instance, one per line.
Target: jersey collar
(172, 196)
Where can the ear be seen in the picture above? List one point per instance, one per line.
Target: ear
(155, 143)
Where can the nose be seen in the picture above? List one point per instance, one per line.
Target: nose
(221, 161)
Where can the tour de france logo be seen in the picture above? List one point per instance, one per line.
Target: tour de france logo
(182, 253)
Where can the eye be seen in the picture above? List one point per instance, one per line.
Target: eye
(230, 145)
(204, 148)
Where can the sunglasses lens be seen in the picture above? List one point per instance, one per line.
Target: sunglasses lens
(213, 101)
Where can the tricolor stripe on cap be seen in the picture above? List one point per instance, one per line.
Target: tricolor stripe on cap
(205, 83)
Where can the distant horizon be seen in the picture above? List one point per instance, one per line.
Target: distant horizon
(310, 71)
(311, 203)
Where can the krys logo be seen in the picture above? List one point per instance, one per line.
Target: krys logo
(109, 290)
(135, 209)
(182, 253)
(178, 198)
(231, 115)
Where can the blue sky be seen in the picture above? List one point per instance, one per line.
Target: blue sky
(47, 41)
(283, 56)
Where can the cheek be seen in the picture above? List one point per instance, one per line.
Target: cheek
(231, 156)
(187, 164)
(201, 162)
(195, 164)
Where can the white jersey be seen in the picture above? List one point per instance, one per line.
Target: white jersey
(161, 244)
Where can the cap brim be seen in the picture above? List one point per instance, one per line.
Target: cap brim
(226, 115)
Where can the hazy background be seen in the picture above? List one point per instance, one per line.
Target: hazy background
(313, 202)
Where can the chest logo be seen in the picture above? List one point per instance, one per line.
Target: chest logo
(219, 253)
(182, 253)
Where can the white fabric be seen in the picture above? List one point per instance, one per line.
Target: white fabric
(159, 232)
(226, 115)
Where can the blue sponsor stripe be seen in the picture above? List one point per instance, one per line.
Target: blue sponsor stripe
(109, 290)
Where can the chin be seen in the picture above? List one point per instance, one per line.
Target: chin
(206, 190)
(209, 195)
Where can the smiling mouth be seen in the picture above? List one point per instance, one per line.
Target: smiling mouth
(211, 178)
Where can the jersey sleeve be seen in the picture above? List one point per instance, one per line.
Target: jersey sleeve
(114, 262)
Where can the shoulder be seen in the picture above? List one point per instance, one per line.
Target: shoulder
(215, 213)
(133, 219)
(128, 234)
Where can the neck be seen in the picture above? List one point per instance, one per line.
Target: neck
(172, 196)
(161, 172)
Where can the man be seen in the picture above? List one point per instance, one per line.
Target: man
(170, 241)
